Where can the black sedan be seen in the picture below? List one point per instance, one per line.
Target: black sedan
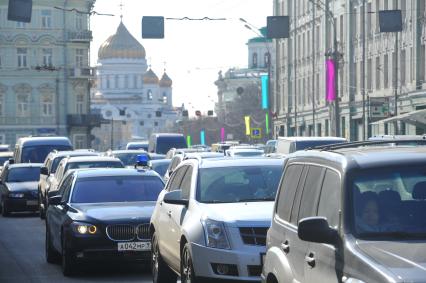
(101, 214)
(19, 187)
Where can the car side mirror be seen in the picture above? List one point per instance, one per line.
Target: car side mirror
(317, 230)
(175, 197)
(11, 161)
(44, 171)
(55, 200)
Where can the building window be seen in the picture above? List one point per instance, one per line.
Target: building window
(79, 21)
(1, 105)
(79, 57)
(126, 81)
(116, 81)
(378, 70)
(149, 95)
(22, 57)
(254, 60)
(79, 141)
(164, 98)
(155, 124)
(2, 139)
(46, 18)
(21, 25)
(266, 58)
(108, 82)
(141, 123)
(403, 68)
(149, 115)
(386, 71)
(80, 104)
(22, 107)
(135, 81)
(47, 56)
(47, 105)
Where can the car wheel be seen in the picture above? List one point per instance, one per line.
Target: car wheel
(4, 210)
(161, 272)
(69, 264)
(52, 256)
(187, 274)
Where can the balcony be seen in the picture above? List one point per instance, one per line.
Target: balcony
(84, 120)
(81, 73)
(80, 36)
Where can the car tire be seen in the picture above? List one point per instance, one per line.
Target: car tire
(69, 264)
(161, 272)
(52, 256)
(187, 274)
(4, 210)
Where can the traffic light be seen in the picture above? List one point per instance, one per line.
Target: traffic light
(20, 10)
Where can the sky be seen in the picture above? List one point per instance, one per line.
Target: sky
(192, 52)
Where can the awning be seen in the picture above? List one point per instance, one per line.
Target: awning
(416, 118)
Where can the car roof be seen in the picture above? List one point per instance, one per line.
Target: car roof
(44, 140)
(107, 172)
(91, 158)
(160, 161)
(74, 153)
(167, 135)
(6, 153)
(138, 143)
(227, 162)
(128, 151)
(312, 138)
(25, 165)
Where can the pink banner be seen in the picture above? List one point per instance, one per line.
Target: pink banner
(331, 86)
(222, 134)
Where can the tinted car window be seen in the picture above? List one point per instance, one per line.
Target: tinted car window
(177, 179)
(38, 153)
(160, 168)
(238, 183)
(93, 164)
(186, 183)
(129, 159)
(311, 191)
(329, 204)
(288, 191)
(23, 174)
(166, 143)
(116, 189)
(3, 159)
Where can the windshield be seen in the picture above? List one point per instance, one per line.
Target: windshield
(129, 159)
(164, 144)
(23, 174)
(238, 184)
(117, 189)
(138, 146)
(38, 153)
(160, 168)
(93, 164)
(390, 201)
(247, 153)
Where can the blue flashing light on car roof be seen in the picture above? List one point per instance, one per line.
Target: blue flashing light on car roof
(142, 160)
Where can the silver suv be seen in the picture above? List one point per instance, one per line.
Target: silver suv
(211, 219)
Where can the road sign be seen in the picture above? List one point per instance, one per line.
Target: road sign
(256, 133)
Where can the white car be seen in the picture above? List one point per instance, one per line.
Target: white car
(211, 219)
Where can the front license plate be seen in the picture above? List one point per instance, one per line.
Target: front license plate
(32, 202)
(134, 246)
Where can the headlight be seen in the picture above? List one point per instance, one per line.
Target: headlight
(16, 195)
(215, 234)
(84, 228)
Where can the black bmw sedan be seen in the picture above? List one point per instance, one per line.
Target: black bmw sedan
(101, 214)
(18, 187)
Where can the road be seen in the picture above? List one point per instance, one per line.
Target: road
(22, 257)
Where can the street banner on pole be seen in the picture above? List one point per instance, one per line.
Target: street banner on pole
(222, 134)
(247, 120)
(331, 87)
(267, 123)
(264, 80)
(203, 137)
(188, 140)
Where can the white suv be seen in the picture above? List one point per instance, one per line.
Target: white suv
(211, 219)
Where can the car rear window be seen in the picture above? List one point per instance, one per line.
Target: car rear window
(93, 164)
(38, 153)
(116, 189)
(164, 144)
(23, 174)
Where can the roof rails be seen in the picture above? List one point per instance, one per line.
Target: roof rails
(366, 143)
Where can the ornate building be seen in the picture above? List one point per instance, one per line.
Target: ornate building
(45, 73)
(128, 91)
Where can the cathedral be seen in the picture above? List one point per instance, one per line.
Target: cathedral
(128, 94)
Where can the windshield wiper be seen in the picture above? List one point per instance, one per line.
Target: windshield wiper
(256, 199)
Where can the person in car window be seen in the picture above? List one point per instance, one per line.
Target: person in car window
(368, 218)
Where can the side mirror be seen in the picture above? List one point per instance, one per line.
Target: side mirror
(175, 197)
(11, 161)
(317, 230)
(55, 200)
(44, 171)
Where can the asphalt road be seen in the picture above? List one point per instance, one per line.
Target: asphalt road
(22, 257)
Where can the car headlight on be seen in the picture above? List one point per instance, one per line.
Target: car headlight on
(84, 228)
(215, 234)
(16, 195)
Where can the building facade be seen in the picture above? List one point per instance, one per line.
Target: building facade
(44, 72)
(128, 90)
(372, 68)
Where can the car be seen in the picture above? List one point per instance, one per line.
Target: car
(5, 156)
(287, 145)
(161, 143)
(349, 213)
(159, 166)
(47, 173)
(101, 215)
(173, 151)
(244, 151)
(36, 149)
(4, 148)
(18, 188)
(80, 162)
(137, 145)
(270, 147)
(210, 220)
(128, 157)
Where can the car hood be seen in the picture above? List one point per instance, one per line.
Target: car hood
(22, 186)
(115, 212)
(240, 214)
(406, 260)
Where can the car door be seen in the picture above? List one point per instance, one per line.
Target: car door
(327, 266)
(3, 178)
(177, 216)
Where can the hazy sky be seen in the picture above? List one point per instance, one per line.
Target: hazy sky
(192, 52)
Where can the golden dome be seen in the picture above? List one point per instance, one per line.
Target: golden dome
(121, 45)
(150, 77)
(165, 81)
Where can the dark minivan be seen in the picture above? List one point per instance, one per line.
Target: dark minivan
(36, 149)
(350, 214)
(162, 143)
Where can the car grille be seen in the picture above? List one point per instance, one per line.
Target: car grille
(254, 270)
(254, 235)
(143, 232)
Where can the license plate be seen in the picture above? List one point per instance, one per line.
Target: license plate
(32, 202)
(134, 246)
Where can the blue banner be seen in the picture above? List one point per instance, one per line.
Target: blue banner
(264, 80)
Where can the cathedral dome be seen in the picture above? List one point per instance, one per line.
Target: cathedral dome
(150, 77)
(121, 45)
(165, 81)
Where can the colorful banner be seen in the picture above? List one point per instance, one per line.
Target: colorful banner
(188, 141)
(247, 120)
(331, 86)
(267, 123)
(264, 80)
(203, 137)
(222, 134)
